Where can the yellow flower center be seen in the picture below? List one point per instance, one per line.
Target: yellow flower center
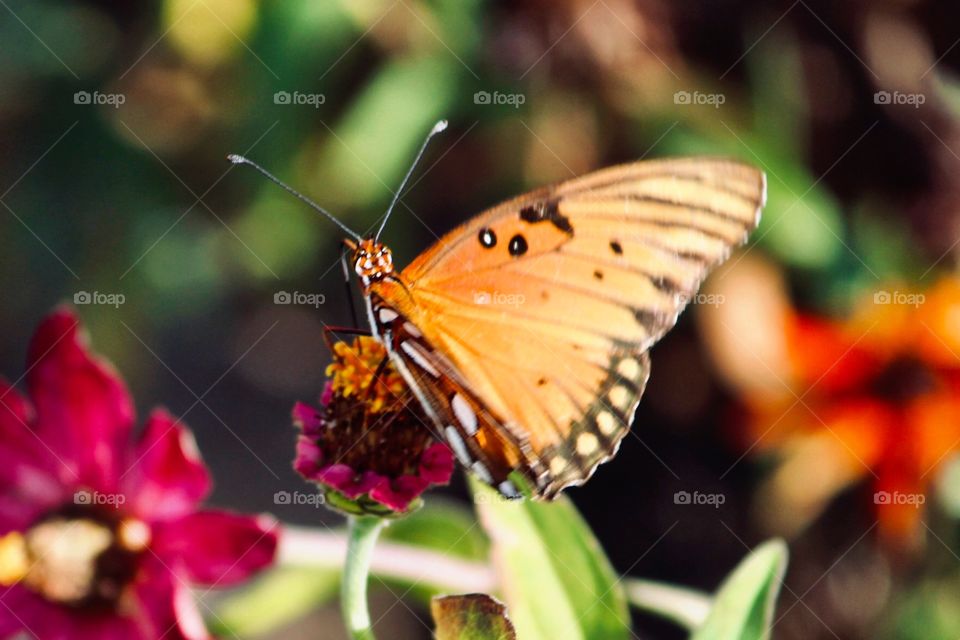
(353, 369)
(72, 560)
(13, 559)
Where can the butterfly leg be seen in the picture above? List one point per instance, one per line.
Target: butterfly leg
(377, 374)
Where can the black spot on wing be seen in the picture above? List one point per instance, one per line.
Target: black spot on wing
(488, 239)
(648, 318)
(546, 212)
(518, 246)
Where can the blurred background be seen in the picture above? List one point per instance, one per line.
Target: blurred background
(810, 392)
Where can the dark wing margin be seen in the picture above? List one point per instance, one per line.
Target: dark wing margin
(595, 438)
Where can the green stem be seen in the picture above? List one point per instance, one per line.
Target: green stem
(362, 533)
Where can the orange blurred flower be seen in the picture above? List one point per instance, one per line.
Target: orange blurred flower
(875, 396)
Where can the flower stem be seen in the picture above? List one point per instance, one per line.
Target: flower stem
(362, 533)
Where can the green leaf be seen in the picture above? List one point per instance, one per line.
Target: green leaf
(444, 526)
(928, 611)
(557, 582)
(779, 108)
(471, 617)
(743, 607)
(374, 143)
(283, 596)
(686, 607)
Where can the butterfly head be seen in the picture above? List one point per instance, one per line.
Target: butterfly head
(372, 260)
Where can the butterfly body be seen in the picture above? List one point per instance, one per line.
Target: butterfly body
(524, 332)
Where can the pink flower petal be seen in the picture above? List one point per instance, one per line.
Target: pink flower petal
(436, 464)
(217, 548)
(168, 479)
(17, 436)
(327, 394)
(16, 416)
(26, 493)
(400, 492)
(346, 481)
(164, 605)
(83, 409)
(20, 609)
(189, 619)
(309, 457)
(307, 419)
(29, 483)
(14, 605)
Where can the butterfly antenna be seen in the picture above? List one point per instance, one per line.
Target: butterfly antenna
(437, 128)
(235, 159)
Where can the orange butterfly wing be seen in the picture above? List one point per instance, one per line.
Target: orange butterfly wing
(543, 307)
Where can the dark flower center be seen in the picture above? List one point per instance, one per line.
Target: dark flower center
(372, 422)
(82, 556)
(903, 379)
(389, 442)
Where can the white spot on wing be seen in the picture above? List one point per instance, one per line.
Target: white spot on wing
(629, 368)
(606, 422)
(388, 315)
(412, 329)
(482, 472)
(558, 465)
(464, 413)
(619, 396)
(508, 489)
(587, 444)
(411, 350)
(458, 445)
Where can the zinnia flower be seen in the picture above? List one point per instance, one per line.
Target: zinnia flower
(101, 536)
(368, 445)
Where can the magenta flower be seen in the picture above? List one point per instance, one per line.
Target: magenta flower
(101, 536)
(370, 449)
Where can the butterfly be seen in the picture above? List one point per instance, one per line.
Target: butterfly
(525, 332)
